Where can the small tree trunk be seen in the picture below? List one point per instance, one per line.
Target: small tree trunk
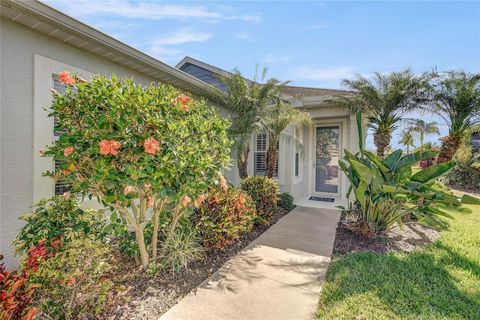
(450, 145)
(242, 163)
(176, 217)
(272, 155)
(141, 245)
(381, 141)
(138, 228)
(156, 220)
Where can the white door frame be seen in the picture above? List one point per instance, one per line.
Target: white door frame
(342, 124)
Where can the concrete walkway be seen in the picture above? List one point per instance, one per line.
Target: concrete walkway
(278, 276)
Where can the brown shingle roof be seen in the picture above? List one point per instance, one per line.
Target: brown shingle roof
(311, 92)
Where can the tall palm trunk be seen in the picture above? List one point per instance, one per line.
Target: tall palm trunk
(422, 137)
(272, 158)
(450, 145)
(242, 163)
(381, 141)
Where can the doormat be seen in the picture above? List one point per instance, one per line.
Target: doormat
(321, 199)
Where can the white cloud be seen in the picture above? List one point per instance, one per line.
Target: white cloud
(143, 10)
(270, 58)
(243, 35)
(162, 48)
(181, 36)
(252, 18)
(322, 74)
(165, 54)
(150, 10)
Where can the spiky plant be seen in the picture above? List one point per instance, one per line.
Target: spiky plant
(456, 98)
(247, 101)
(384, 99)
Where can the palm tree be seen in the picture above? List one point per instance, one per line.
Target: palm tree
(247, 101)
(456, 98)
(280, 115)
(407, 139)
(423, 128)
(384, 99)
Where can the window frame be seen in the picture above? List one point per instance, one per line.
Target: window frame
(297, 154)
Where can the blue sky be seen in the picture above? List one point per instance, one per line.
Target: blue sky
(309, 43)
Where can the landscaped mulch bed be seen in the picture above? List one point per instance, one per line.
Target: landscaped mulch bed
(148, 297)
(472, 191)
(404, 238)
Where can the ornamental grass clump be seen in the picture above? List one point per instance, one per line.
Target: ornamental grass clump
(138, 149)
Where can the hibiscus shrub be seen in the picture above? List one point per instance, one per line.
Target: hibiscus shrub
(15, 295)
(224, 216)
(137, 149)
(264, 192)
(73, 282)
(58, 218)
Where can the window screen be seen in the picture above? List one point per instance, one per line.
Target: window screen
(260, 155)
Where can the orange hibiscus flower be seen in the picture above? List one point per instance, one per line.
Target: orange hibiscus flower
(68, 151)
(109, 147)
(151, 145)
(66, 78)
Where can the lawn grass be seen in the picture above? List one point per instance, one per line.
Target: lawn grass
(439, 281)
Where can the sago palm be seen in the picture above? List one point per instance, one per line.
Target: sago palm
(384, 99)
(247, 102)
(407, 139)
(279, 116)
(456, 98)
(423, 128)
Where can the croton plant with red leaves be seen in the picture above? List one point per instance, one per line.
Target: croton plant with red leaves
(15, 295)
(138, 149)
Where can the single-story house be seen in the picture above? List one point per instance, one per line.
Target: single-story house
(310, 172)
(38, 42)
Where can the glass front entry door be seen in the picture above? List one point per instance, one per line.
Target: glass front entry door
(327, 155)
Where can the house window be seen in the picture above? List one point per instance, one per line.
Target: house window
(297, 173)
(260, 155)
(298, 145)
(60, 186)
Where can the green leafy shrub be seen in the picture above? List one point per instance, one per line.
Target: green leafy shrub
(15, 295)
(137, 148)
(58, 218)
(72, 283)
(224, 215)
(180, 249)
(286, 201)
(264, 192)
